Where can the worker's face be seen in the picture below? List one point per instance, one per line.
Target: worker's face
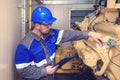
(44, 29)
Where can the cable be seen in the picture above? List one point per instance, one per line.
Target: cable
(116, 55)
(111, 58)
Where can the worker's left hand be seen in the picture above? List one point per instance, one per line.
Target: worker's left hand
(51, 69)
(96, 37)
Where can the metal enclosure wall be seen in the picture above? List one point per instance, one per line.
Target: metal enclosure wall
(10, 34)
(62, 13)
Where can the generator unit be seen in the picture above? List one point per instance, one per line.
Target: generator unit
(102, 62)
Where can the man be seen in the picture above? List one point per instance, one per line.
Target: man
(35, 54)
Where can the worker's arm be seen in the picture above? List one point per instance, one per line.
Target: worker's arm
(68, 35)
(73, 35)
(26, 66)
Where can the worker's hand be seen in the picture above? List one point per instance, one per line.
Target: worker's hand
(51, 69)
(97, 37)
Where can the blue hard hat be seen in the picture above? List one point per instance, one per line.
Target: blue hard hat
(42, 15)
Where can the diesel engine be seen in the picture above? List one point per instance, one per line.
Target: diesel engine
(104, 60)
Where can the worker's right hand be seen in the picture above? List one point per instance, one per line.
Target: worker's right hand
(97, 37)
(51, 69)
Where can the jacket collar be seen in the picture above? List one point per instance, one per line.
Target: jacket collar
(35, 36)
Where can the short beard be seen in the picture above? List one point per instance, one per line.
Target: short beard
(44, 33)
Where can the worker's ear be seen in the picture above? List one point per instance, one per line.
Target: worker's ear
(37, 26)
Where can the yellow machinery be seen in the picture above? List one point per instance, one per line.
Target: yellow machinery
(103, 60)
(71, 66)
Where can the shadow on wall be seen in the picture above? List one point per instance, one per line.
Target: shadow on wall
(16, 75)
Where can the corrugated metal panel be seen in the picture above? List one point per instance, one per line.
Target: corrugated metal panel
(62, 13)
(66, 1)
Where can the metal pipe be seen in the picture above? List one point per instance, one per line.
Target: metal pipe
(30, 13)
(68, 1)
(23, 16)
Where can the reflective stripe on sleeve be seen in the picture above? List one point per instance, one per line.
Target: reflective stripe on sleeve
(23, 65)
(59, 36)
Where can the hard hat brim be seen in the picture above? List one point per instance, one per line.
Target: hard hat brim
(50, 21)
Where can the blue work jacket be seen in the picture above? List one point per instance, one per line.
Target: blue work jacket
(34, 53)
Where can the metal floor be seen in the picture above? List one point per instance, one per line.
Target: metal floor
(85, 75)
